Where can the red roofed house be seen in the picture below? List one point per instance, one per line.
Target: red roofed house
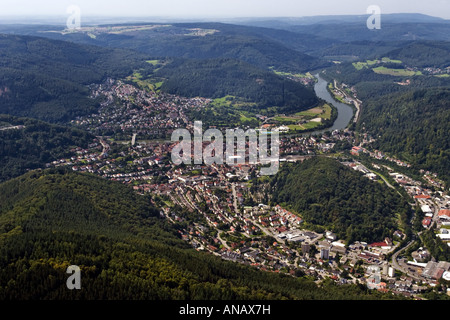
(444, 214)
(386, 244)
(426, 222)
(422, 196)
(356, 150)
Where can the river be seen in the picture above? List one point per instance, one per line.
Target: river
(345, 112)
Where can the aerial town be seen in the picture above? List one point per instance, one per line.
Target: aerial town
(213, 209)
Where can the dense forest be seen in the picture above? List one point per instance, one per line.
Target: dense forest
(423, 54)
(330, 195)
(217, 78)
(35, 143)
(56, 218)
(48, 79)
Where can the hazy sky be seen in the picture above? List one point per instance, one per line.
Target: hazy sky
(222, 8)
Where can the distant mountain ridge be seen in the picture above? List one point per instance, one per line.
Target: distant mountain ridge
(260, 47)
(285, 22)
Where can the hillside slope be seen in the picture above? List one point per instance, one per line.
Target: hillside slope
(30, 144)
(53, 219)
(217, 78)
(413, 126)
(48, 79)
(328, 194)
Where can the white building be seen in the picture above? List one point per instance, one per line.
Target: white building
(331, 236)
(444, 236)
(426, 209)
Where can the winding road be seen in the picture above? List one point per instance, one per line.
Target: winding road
(397, 266)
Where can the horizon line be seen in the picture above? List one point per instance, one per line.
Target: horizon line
(28, 15)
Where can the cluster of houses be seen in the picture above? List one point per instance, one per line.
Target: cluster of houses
(436, 71)
(357, 150)
(128, 109)
(310, 145)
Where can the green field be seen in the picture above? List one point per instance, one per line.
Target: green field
(153, 62)
(294, 127)
(311, 125)
(297, 75)
(223, 102)
(323, 112)
(385, 59)
(396, 72)
(145, 84)
(235, 103)
(327, 112)
(302, 120)
(306, 114)
(361, 64)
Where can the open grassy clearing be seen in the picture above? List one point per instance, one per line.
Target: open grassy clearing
(323, 112)
(361, 64)
(365, 64)
(311, 125)
(305, 120)
(154, 62)
(223, 102)
(396, 72)
(145, 84)
(386, 59)
(297, 75)
(296, 127)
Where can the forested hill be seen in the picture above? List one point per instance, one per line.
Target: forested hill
(413, 125)
(47, 79)
(261, 47)
(330, 195)
(56, 218)
(423, 54)
(217, 78)
(30, 144)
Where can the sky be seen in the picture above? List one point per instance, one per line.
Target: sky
(220, 8)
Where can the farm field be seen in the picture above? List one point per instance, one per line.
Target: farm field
(305, 120)
(380, 69)
(360, 64)
(365, 64)
(396, 72)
